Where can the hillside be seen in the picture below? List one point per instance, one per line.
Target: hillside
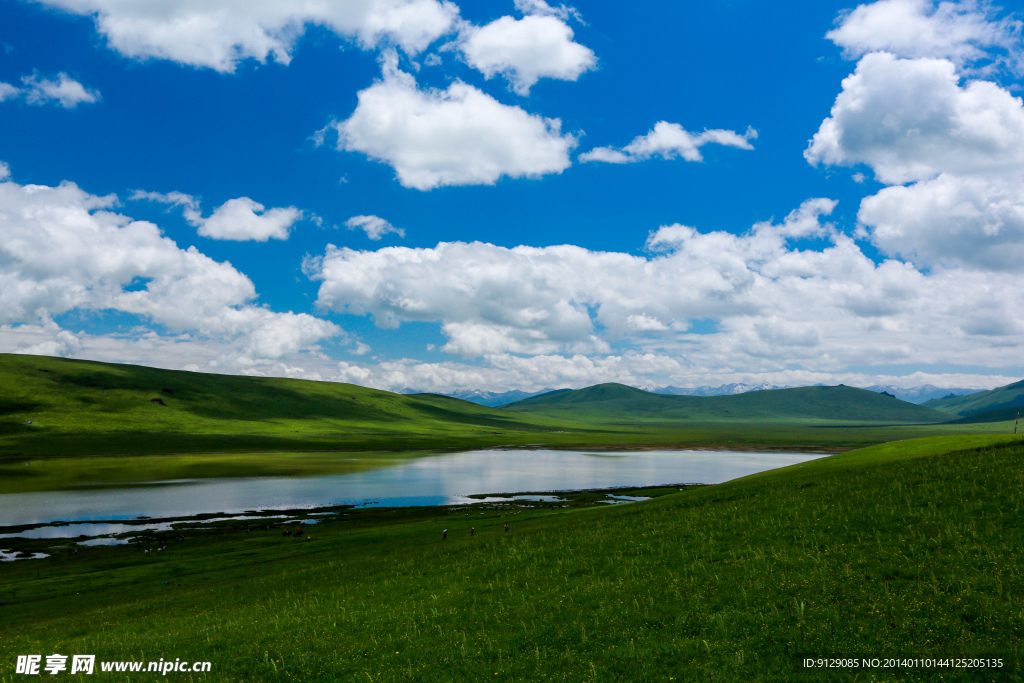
(77, 407)
(1000, 398)
(617, 401)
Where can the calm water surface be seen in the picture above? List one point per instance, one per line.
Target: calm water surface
(432, 480)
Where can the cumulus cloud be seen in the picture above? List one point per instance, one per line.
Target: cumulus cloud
(968, 221)
(63, 249)
(243, 219)
(375, 227)
(526, 50)
(218, 34)
(240, 219)
(909, 119)
(773, 305)
(962, 32)
(44, 339)
(951, 150)
(457, 136)
(669, 140)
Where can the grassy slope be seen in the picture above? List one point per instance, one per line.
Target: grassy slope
(609, 402)
(82, 407)
(906, 549)
(1000, 398)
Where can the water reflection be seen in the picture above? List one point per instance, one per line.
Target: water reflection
(433, 480)
(11, 556)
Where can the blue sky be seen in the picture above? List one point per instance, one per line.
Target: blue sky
(434, 196)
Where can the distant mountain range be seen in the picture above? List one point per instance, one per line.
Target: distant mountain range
(616, 403)
(917, 395)
(724, 390)
(491, 398)
(921, 394)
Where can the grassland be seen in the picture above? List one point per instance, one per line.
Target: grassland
(911, 549)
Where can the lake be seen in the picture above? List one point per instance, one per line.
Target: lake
(442, 479)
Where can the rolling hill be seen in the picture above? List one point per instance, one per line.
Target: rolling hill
(61, 406)
(1001, 399)
(608, 402)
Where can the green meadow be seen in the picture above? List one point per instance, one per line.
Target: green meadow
(906, 550)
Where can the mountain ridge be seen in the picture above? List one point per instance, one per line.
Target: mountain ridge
(494, 399)
(840, 403)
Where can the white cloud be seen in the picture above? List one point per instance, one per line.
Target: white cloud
(62, 249)
(175, 352)
(458, 136)
(45, 339)
(773, 306)
(64, 90)
(952, 153)
(240, 219)
(970, 221)
(375, 227)
(963, 32)
(218, 34)
(525, 50)
(243, 219)
(669, 140)
(911, 120)
(543, 9)
(645, 323)
(5, 170)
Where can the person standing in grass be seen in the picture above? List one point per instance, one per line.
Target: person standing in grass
(444, 535)
(472, 530)
(506, 526)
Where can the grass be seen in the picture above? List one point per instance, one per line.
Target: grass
(906, 549)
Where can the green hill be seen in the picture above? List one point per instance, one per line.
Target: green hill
(607, 402)
(72, 407)
(1000, 398)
